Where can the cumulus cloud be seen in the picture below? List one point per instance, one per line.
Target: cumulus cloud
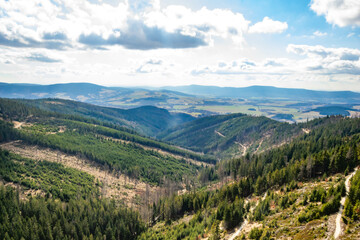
(268, 25)
(135, 24)
(140, 36)
(240, 66)
(151, 66)
(318, 60)
(338, 12)
(208, 23)
(328, 60)
(319, 34)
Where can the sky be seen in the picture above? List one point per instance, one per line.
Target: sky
(312, 44)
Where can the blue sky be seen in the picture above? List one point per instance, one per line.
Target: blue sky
(311, 44)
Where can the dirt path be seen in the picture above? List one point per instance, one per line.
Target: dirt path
(219, 133)
(17, 124)
(306, 130)
(260, 143)
(245, 223)
(115, 185)
(338, 229)
(244, 148)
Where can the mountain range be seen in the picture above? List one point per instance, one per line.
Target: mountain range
(267, 92)
(91, 93)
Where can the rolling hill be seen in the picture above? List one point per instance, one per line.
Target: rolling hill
(147, 120)
(283, 104)
(231, 135)
(234, 135)
(95, 94)
(269, 92)
(117, 148)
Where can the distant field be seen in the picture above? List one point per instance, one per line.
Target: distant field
(232, 109)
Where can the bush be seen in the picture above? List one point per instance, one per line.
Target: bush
(256, 233)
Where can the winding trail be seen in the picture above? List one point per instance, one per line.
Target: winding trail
(246, 221)
(244, 148)
(338, 229)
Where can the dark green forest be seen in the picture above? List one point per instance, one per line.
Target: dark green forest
(48, 218)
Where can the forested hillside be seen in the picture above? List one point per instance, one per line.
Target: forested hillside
(231, 135)
(116, 148)
(48, 218)
(147, 120)
(331, 148)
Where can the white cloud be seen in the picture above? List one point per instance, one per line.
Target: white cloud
(133, 24)
(204, 22)
(152, 66)
(318, 60)
(268, 25)
(324, 60)
(338, 12)
(319, 34)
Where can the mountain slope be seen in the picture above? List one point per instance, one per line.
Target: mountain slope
(292, 191)
(148, 120)
(112, 147)
(231, 135)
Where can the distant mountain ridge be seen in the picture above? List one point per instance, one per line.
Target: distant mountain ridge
(95, 94)
(282, 104)
(264, 92)
(86, 91)
(66, 90)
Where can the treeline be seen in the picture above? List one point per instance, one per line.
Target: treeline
(53, 179)
(47, 218)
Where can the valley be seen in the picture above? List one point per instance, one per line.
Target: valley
(282, 104)
(232, 176)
